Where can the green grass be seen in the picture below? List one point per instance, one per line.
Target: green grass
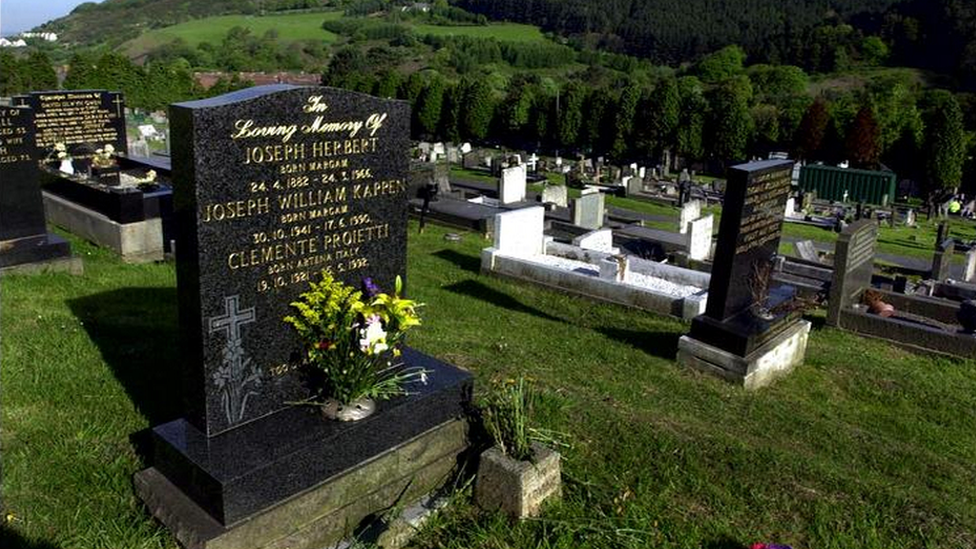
(290, 27)
(865, 445)
(505, 32)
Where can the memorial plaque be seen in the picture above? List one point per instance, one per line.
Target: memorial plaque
(273, 184)
(81, 119)
(749, 233)
(21, 207)
(853, 266)
(23, 234)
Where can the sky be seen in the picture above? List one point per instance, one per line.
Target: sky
(20, 15)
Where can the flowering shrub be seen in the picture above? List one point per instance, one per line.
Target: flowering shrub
(354, 340)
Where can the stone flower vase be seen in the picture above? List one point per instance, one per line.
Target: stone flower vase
(354, 411)
(518, 487)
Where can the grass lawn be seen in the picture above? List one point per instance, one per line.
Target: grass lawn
(290, 27)
(505, 32)
(864, 446)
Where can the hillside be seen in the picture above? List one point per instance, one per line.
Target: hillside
(113, 22)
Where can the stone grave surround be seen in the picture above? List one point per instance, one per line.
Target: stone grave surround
(25, 244)
(853, 267)
(738, 338)
(273, 184)
(521, 251)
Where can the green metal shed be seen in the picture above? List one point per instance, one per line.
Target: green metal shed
(830, 182)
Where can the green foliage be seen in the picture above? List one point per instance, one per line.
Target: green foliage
(775, 82)
(477, 108)
(352, 339)
(569, 119)
(623, 127)
(154, 86)
(721, 65)
(505, 411)
(945, 144)
(729, 124)
(429, 106)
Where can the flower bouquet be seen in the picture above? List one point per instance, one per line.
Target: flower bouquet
(352, 342)
(104, 166)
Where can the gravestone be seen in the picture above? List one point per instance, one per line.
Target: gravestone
(600, 240)
(273, 185)
(942, 259)
(853, 266)
(690, 211)
(700, 238)
(588, 210)
(24, 240)
(807, 251)
(511, 187)
(969, 272)
(634, 185)
(520, 232)
(81, 119)
(555, 194)
(748, 334)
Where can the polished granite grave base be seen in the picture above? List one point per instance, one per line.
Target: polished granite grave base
(243, 472)
(38, 253)
(326, 513)
(774, 358)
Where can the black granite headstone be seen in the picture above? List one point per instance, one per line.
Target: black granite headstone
(23, 233)
(853, 266)
(81, 119)
(274, 184)
(748, 240)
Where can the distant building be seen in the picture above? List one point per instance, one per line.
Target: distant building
(49, 36)
(19, 43)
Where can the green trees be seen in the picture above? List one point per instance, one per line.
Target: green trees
(429, 105)
(569, 116)
(729, 124)
(721, 65)
(623, 125)
(477, 108)
(945, 144)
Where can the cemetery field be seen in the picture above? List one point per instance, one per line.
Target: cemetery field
(865, 445)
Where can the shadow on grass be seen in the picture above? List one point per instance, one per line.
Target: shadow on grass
(10, 539)
(478, 290)
(723, 542)
(466, 262)
(135, 330)
(659, 344)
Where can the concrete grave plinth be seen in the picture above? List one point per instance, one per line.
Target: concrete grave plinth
(136, 242)
(323, 515)
(759, 368)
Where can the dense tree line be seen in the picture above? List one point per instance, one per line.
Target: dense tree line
(817, 35)
(716, 112)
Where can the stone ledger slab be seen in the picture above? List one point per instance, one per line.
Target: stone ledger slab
(324, 514)
(759, 368)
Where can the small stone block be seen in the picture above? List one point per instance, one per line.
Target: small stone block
(518, 488)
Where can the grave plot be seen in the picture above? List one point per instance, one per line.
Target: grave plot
(750, 332)
(245, 466)
(591, 267)
(91, 187)
(916, 322)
